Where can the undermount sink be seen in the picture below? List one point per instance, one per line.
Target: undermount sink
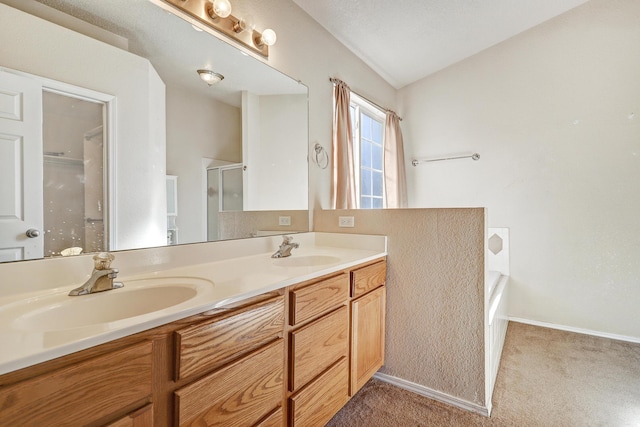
(306, 261)
(58, 311)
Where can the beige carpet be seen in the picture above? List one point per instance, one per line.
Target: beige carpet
(546, 378)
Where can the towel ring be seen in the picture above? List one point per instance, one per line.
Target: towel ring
(321, 157)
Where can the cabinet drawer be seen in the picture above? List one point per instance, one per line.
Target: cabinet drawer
(81, 393)
(318, 298)
(274, 420)
(317, 346)
(319, 401)
(143, 417)
(204, 347)
(367, 278)
(240, 394)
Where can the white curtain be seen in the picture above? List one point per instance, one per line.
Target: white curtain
(395, 177)
(343, 185)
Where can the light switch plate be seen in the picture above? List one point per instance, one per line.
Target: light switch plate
(346, 221)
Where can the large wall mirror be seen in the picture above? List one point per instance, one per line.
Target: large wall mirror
(134, 149)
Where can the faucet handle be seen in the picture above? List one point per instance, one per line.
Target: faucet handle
(102, 260)
(286, 239)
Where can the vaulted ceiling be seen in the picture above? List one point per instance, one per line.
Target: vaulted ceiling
(406, 40)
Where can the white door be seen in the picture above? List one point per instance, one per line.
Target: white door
(20, 168)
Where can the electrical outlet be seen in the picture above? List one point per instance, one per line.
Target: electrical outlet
(284, 220)
(345, 221)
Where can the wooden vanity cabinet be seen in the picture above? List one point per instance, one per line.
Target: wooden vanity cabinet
(292, 357)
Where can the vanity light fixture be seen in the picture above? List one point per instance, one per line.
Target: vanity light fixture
(216, 15)
(268, 37)
(210, 77)
(219, 8)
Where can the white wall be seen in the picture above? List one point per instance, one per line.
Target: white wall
(275, 152)
(45, 49)
(213, 131)
(551, 112)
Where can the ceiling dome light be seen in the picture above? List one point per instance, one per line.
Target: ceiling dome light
(222, 8)
(210, 77)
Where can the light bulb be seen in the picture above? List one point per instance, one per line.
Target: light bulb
(269, 37)
(222, 8)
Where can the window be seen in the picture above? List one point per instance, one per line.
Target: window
(367, 122)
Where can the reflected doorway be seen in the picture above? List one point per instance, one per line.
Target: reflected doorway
(73, 174)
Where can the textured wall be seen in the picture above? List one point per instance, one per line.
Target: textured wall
(435, 294)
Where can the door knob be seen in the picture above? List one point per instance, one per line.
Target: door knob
(32, 233)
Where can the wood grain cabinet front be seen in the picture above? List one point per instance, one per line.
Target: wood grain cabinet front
(82, 393)
(240, 394)
(316, 346)
(143, 417)
(367, 278)
(367, 337)
(317, 298)
(315, 404)
(205, 346)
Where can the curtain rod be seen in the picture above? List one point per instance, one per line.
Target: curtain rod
(334, 81)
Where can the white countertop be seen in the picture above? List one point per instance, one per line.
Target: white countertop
(223, 280)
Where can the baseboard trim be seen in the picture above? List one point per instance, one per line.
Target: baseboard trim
(576, 330)
(433, 394)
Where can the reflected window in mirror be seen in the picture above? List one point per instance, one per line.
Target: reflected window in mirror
(367, 129)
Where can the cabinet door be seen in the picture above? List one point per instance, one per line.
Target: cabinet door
(367, 337)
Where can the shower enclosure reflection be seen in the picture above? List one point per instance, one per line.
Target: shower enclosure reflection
(224, 194)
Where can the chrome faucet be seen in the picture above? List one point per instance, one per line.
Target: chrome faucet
(285, 247)
(101, 277)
